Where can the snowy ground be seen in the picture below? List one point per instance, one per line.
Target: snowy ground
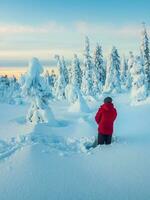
(43, 163)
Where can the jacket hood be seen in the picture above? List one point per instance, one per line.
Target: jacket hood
(107, 106)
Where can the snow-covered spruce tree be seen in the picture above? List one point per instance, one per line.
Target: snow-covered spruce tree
(139, 88)
(4, 88)
(76, 72)
(35, 90)
(49, 84)
(75, 80)
(99, 71)
(87, 71)
(15, 96)
(10, 90)
(124, 73)
(145, 53)
(60, 84)
(112, 83)
(65, 70)
(130, 63)
(130, 60)
(70, 73)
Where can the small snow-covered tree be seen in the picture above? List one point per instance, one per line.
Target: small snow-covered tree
(130, 60)
(65, 70)
(60, 84)
(99, 64)
(4, 89)
(76, 73)
(87, 82)
(124, 73)
(112, 83)
(10, 91)
(75, 80)
(15, 91)
(145, 53)
(50, 82)
(99, 71)
(34, 88)
(139, 88)
(130, 63)
(70, 73)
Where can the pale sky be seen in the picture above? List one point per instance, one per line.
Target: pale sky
(45, 28)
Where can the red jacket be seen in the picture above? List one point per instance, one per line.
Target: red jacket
(105, 118)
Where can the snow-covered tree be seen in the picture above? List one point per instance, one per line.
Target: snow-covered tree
(99, 64)
(87, 82)
(112, 83)
(75, 80)
(145, 53)
(76, 73)
(130, 63)
(130, 60)
(65, 70)
(48, 84)
(4, 88)
(34, 88)
(139, 88)
(124, 73)
(15, 96)
(70, 73)
(60, 84)
(79, 105)
(99, 71)
(10, 91)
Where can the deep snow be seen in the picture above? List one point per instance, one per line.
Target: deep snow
(44, 162)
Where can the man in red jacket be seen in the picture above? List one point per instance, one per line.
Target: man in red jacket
(105, 118)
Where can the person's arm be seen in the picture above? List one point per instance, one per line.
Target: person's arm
(98, 116)
(115, 114)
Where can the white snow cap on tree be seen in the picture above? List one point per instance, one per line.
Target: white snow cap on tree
(139, 89)
(35, 90)
(112, 83)
(35, 68)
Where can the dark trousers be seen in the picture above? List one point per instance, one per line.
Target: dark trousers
(104, 139)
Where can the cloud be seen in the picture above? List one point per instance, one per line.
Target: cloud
(124, 31)
(79, 27)
(29, 29)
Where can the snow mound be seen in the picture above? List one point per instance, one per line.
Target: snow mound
(80, 105)
(84, 128)
(62, 145)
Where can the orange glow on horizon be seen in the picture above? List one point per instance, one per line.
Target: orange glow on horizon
(17, 72)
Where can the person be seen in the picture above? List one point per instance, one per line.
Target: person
(105, 118)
